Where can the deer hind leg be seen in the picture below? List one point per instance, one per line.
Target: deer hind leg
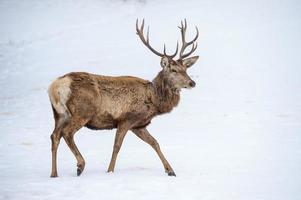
(120, 134)
(144, 135)
(60, 123)
(59, 92)
(68, 131)
(55, 140)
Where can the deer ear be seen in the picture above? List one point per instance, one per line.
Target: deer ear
(190, 61)
(164, 62)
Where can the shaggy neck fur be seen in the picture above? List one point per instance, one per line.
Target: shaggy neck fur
(167, 97)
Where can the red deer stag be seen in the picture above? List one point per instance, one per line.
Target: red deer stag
(98, 102)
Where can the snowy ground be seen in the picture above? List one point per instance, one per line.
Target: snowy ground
(235, 136)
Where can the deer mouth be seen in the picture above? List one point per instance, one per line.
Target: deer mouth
(188, 87)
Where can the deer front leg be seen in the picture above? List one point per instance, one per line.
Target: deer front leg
(120, 134)
(146, 137)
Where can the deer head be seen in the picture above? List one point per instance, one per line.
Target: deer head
(174, 70)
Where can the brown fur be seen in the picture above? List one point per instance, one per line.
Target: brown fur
(127, 103)
(103, 102)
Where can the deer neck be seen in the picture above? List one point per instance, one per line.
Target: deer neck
(166, 96)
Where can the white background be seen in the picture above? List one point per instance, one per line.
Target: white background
(235, 136)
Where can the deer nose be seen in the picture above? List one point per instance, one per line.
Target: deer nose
(192, 84)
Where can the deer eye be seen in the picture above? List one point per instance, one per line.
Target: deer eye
(173, 70)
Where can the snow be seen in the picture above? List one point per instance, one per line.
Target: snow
(235, 136)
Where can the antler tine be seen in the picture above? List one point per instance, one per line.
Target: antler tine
(176, 52)
(142, 25)
(147, 35)
(146, 41)
(183, 31)
(193, 48)
(185, 44)
(195, 38)
(173, 55)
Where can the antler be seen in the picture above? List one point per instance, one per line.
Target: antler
(146, 41)
(186, 44)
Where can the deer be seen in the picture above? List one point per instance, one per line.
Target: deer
(124, 103)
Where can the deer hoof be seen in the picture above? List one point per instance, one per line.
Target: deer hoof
(80, 168)
(79, 171)
(53, 175)
(171, 173)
